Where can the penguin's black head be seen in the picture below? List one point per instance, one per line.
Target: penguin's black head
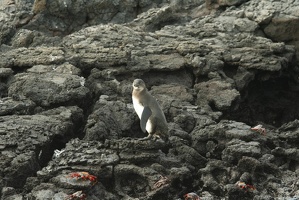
(138, 84)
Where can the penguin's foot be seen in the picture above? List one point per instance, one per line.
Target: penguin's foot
(160, 137)
(156, 137)
(146, 138)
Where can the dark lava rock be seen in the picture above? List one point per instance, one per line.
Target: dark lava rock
(217, 68)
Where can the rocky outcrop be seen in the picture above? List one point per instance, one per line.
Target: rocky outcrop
(217, 68)
(279, 26)
(28, 140)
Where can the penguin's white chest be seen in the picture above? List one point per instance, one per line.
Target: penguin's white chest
(137, 106)
(139, 109)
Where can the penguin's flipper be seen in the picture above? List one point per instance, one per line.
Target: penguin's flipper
(146, 113)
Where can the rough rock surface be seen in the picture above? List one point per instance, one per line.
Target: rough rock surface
(218, 68)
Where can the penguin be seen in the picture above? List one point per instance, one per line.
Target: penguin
(152, 118)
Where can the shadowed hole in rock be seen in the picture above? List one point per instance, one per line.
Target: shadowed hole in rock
(138, 10)
(202, 78)
(167, 20)
(170, 21)
(133, 184)
(184, 184)
(5, 80)
(18, 69)
(108, 183)
(293, 165)
(230, 70)
(212, 105)
(47, 151)
(3, 89)
(183, 76)
(135, 131)
(273, 102)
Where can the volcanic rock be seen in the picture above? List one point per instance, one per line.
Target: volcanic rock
(217, 68)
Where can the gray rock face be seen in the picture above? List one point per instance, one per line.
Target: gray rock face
(10, 106)
(279, 26)
(218, 68)
(110, 120)
(27, 140)
(217, 94)
(49, 89)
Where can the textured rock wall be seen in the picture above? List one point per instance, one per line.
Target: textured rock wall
(217, 68)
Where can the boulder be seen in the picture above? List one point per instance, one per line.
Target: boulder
(27, 142)
(50, 89)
